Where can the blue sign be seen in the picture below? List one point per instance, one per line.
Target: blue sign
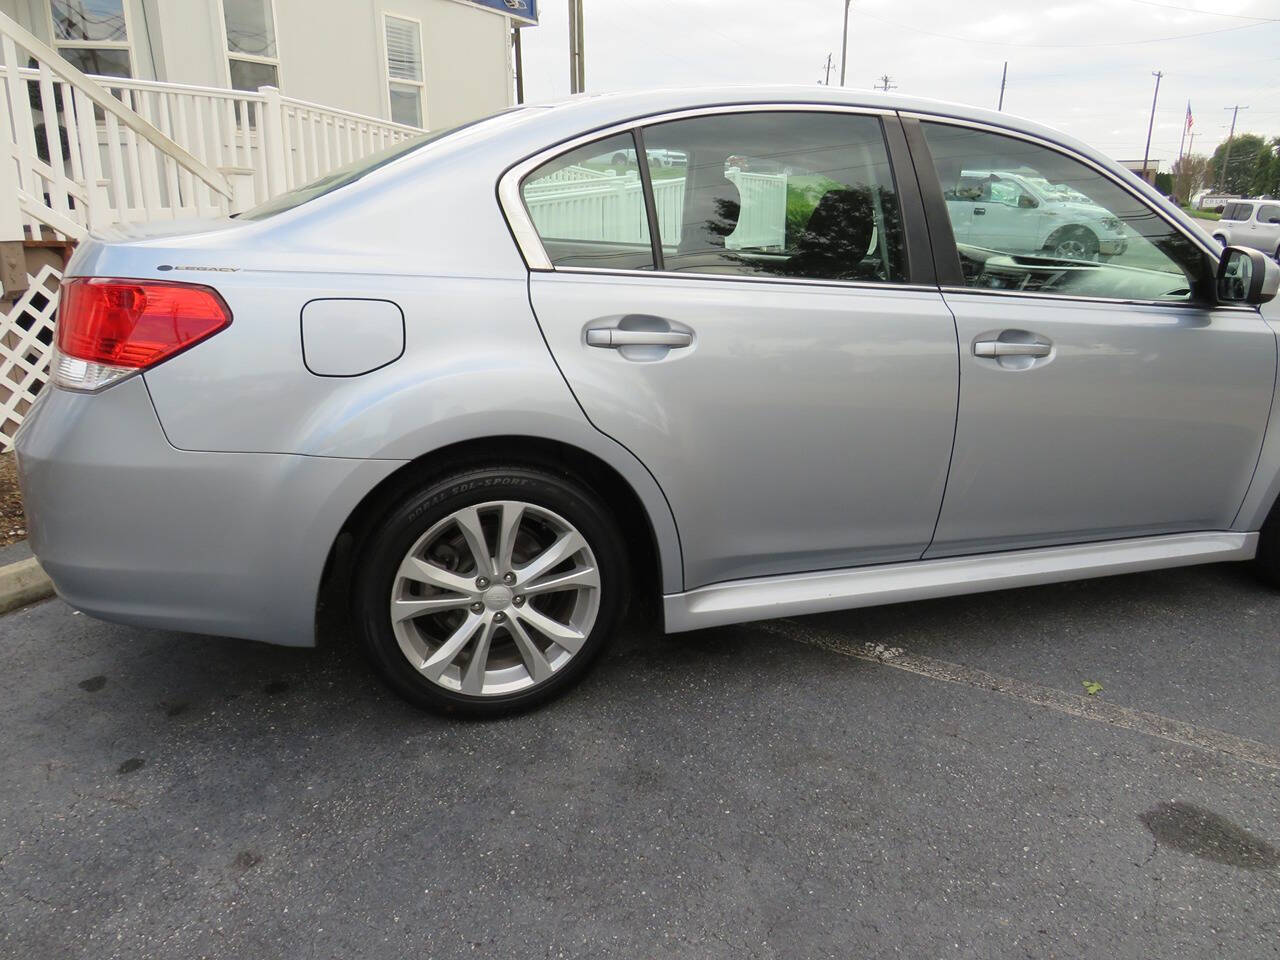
(521, 10)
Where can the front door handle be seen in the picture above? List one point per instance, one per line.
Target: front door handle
(979, 211)
(1001, 348)
(614, 337)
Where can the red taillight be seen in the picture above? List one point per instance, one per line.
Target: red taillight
(134, 324)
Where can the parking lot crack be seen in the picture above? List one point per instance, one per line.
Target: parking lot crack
(1075, 705)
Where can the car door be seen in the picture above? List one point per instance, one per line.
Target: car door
(780, 361)
(1099, 400)
(1268, 227)
(1009, 221)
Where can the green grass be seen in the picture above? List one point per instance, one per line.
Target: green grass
(1203, 214)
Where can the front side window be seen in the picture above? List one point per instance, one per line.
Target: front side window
(588, 207)
(1028, 218)
(252, 59)
(781, 194)
(1269, 213)
(404, 70)
(93, 35)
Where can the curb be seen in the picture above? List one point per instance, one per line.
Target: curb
(22, 583)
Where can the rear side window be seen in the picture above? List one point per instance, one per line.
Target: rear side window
(1238, 211)
(588, 207)
(781, 194)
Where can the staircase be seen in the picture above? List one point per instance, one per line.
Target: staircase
(81, 154)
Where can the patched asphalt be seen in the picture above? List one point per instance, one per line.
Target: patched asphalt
(731, 793)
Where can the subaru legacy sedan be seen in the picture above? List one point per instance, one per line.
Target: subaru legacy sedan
(477, 392)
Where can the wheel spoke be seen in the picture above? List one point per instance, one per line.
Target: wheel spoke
(508, 530)
(468, 521)
(473, 679)
(537, 665)
(568, 637)
(423, 572)
(439, 661)
(578, 578)
(565, 546)
(408, 609)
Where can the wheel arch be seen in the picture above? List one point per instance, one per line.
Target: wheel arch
(639, 507)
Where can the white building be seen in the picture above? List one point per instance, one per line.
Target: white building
(425, 63)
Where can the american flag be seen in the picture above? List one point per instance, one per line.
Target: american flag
(1191, 121)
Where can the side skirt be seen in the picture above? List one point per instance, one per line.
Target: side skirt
(765, 598)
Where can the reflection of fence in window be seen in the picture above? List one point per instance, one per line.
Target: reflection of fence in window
(581, 204)
(577, 203)
(762, 218)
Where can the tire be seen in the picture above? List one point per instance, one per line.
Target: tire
(1267, 560)
(1074, 243)
(423, 559)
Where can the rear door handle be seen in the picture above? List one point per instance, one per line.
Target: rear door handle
(1000, 348)
(613, 337)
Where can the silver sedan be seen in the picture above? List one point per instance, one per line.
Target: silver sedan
(760, 352)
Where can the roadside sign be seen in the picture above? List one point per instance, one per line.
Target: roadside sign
(522, 11)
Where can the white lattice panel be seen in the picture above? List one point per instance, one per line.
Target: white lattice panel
(26, 342)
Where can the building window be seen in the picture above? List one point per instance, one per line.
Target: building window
(404, 70)
(252, 61)
(93, 35)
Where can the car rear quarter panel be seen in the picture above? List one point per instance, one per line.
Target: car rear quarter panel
(431, 240)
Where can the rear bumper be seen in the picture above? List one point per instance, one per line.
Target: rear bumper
(133, 530)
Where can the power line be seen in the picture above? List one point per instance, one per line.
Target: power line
(884, 83)
(1013, 43)
(1207, 13)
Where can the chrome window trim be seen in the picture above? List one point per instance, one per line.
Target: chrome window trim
(521, 224)
(790, 281)
(1074, 154)
(1080, 298)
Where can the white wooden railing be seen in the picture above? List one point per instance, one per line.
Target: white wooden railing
(79, 153)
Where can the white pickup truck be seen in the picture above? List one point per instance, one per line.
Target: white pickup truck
(1015, 212)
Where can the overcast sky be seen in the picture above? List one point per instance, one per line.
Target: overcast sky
(1073, 64)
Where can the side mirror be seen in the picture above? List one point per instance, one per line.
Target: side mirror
(1247, 276)
(1027, 202)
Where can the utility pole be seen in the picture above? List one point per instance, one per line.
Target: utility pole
(1222, 174)
(828, 80)
(577, 66)
(1151, 124)
(515, 47)
(1183, 141)
(844, 41)
(885, 83)
(1003, 77)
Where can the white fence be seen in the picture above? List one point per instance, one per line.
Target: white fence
(583, 204)
(80, 153)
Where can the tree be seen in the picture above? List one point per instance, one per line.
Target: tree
(1190, 174)
(1238, 176)
(1266, 170)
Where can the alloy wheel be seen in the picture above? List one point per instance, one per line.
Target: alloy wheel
(495, 598)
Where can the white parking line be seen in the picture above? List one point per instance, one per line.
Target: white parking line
(1087, 708)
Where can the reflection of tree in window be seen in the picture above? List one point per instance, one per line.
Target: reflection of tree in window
(840, 240)
(93, 20)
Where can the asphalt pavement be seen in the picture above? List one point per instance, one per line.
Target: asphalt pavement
(930, 780)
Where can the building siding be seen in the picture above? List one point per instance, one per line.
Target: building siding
(331, 52)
